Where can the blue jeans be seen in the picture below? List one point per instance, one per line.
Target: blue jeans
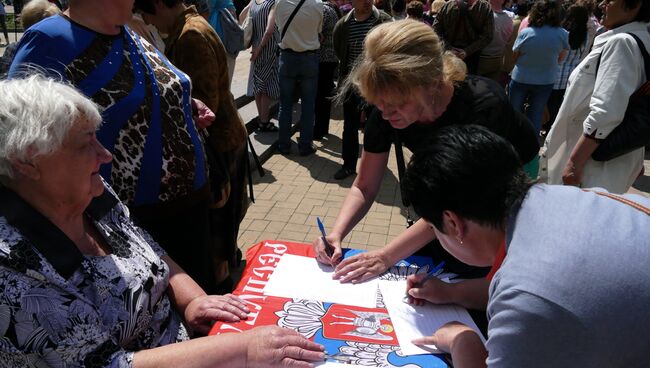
(537, 95)
(297, 70)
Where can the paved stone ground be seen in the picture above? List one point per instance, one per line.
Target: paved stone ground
(298, 189)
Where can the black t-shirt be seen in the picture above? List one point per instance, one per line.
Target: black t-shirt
(476, 100)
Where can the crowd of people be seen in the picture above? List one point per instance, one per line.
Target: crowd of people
(123, 172)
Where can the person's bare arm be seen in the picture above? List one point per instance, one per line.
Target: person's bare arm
(472, 293)
(200, 310)
(268, 346)
(364, 266)
(355, 206)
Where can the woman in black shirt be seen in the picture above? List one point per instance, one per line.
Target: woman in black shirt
(416, 88)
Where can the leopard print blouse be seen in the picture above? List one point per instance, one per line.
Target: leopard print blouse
(158, 155)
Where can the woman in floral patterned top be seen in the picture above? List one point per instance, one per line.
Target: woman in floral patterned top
(80, 285)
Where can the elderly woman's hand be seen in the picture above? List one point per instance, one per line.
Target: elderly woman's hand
(202, 311)
(273, 346)
(361, 267)
(203, 116)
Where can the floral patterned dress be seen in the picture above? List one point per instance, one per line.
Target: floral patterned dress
(60, 308)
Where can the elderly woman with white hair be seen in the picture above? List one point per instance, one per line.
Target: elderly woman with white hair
(80, 285)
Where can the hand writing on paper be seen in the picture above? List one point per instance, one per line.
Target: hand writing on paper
(203, 116)
(201, 312)
(433, 290)
(361, 267)
(321, 251)
(273, 346)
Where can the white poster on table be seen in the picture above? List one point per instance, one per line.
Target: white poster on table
(305, 278)
(411, 322)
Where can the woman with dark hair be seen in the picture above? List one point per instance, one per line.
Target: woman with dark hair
(194, 48)
(595, 102)
(263, 78)
(538, 50)
(564, 292)
(576, 24)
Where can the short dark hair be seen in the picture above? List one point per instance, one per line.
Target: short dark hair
(576, 23)
(469, 170)
(415, 9)
(644, 12)
(545, 13)
(147, 6)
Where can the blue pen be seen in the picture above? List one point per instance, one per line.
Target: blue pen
(329, 249)
(429, 275)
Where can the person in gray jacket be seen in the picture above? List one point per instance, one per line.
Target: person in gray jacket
(570, 283)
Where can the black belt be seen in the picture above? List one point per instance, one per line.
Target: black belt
(299, 52)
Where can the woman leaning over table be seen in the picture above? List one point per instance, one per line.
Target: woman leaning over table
(595, 102)
(571, 282)
(416, 89)
(80, 285)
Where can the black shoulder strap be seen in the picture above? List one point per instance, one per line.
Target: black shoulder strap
(401, 168)
(644, 53)
(286, 26)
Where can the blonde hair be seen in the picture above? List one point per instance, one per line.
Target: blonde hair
(37, 10)
(436, 6)
(401, 57)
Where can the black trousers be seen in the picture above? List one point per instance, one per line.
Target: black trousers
(3, 25)
(472, 62)
(351, 123)
(182, 229)
(553, 104)
(323, 99)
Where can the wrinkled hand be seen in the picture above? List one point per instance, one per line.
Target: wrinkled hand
(203, 311)
(203, 116)
(446, 336)
(321, 253)
(572, 174)
(273, 346)
(361, 267)
(433, 290)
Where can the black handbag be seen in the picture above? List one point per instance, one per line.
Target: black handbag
(634, 130)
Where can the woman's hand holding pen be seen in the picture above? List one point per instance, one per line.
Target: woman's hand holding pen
(432, 290)
(320, 247)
